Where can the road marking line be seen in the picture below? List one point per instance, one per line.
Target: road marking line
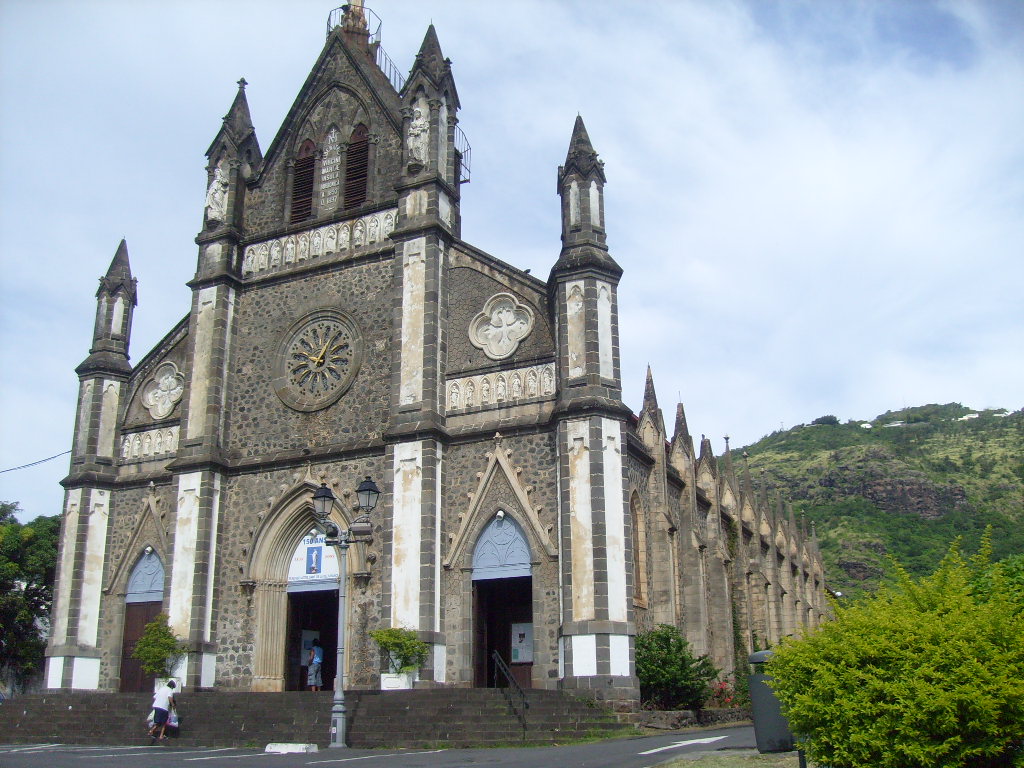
(686, 743)
(152, 750)
(368, 757)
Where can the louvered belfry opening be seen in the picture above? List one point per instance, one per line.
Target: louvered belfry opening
(357, 167)
(302, 182)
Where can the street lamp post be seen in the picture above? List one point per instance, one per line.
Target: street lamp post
(360, 529)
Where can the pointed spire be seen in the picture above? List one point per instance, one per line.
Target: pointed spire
(430, 60)
(707, 455)
(682, 430)
(650, 397)
(238, 120)
(119, 275)
(727, 458)
(581, 156)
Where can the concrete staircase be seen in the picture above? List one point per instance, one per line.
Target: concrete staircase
(453, 717)
(476, 717)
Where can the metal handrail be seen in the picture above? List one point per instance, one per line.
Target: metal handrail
(465, 152)
(513, 686)
(390, 69)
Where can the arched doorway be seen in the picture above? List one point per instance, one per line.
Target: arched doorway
(312, 610)
(502, 601)
(143, 601)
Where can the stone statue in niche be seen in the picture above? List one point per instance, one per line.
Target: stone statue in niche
(470, 394)
(275, 254)
(289, 250)
(419, 133)
(330, 241)
(517, 386)
(358, 234)
(163, 391)
(499, 389)
(453, 400)
(485, 391)
(503, 323)
(531, 384)
(217, 194)
(317, 244)
(374, 230)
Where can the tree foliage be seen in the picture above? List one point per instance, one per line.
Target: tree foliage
(28, 557)
(926, 673)
(671, 677)
(405, 651)
(158, 649)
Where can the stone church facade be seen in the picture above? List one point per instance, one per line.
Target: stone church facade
(340, 328)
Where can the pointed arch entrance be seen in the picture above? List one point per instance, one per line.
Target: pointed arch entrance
(312, 610)
(502, 601)
(143, 601)
(282, 612)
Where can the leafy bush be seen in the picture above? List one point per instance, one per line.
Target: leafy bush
(405, 651)
(158, 649)
(829, 420)
(671, 677)
(926, 673)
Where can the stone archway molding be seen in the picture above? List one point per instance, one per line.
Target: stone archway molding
(148, 531)
(498, 460)
(266, 572)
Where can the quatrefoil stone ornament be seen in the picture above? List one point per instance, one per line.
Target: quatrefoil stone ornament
(503, 323)
(163, 391)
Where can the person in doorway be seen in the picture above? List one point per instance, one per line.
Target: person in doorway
(316, 660)
(163, 703)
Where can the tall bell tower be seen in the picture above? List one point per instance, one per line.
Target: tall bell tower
(597, 623)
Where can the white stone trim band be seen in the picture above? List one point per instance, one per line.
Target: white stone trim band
(280, 252)
(508, 387)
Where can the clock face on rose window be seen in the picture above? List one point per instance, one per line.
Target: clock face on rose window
(317, 360)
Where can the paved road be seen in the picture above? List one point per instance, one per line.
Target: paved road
(640, 752)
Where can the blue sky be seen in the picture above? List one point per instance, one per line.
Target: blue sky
(819, 206)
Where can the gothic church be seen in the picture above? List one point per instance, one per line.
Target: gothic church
(340, 329)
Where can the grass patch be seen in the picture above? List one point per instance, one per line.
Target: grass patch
(738, 759)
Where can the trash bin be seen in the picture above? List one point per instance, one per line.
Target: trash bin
(771, 730)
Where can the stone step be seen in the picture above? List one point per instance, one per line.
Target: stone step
(454, 716)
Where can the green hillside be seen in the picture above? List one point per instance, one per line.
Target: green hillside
(904, 484)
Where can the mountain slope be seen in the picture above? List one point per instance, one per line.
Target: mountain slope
(904, 484)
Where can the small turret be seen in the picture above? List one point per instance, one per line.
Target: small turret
(581, 183)
(116, 299)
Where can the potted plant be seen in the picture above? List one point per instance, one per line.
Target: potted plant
(159, 650)
(405, 653)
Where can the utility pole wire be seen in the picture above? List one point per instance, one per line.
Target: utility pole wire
(41, 461)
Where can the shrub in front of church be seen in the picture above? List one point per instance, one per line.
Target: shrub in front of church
(405, 652)
(925, 673)
(158, 649)
(671, 677)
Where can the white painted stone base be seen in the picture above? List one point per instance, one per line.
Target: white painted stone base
(85, 674)
(208, 671)
(286, 749)
(54, 671)
(397, 681)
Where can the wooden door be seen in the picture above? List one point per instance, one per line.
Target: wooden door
(136, 617)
